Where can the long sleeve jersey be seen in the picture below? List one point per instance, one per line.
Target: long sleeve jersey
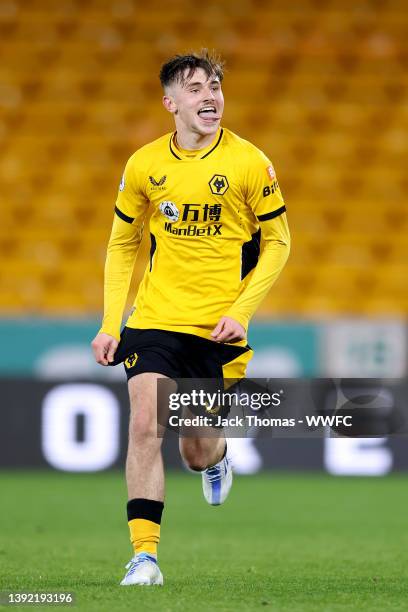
(218, 229)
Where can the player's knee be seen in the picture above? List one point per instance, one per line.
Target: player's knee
(196, 466)
(143, 429)
(194, 459)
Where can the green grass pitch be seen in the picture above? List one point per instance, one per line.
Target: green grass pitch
(281, 542)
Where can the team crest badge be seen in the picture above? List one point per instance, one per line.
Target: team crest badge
(131, 360)
(170, 210)
(211, 410)
(219, 184)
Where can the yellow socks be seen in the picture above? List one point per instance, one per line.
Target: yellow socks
(144, 518)
(144, 535)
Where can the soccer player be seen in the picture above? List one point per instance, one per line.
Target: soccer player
(213, 197)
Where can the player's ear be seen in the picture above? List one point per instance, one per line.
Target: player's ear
(169, 104)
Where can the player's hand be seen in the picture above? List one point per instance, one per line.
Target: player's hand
(228, 330)
(104, 347)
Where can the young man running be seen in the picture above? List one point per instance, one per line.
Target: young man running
(213, 196)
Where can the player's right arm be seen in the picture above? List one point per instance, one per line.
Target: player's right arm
(264, 197)
(124, 242)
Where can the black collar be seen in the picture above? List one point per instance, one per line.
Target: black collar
(205, 155)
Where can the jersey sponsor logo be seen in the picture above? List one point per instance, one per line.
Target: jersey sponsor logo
(158, 183)
(194, 230)
(219, 184)
(170, 210)
(270, 189)
(270, 171)
(198, 212)
(131, 360)
(122, 183)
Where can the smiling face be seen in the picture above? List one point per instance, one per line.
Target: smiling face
(197, 104)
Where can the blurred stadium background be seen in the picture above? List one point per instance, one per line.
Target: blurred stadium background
(320, 85)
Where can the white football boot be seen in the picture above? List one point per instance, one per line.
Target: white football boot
(142, 570)
(217, 482)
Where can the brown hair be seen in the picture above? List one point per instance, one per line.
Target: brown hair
(174, 70)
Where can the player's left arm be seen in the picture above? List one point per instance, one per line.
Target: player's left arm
(265, 198)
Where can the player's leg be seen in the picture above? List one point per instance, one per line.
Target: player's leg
(144, 464)
(208, 455)
(199, 453)
(145, 480)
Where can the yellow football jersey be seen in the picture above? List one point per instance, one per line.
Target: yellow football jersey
(210, 209)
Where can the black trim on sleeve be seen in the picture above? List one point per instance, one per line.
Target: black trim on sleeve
(153, 246)
(250, 254)
(122, 216)
(272, 215)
